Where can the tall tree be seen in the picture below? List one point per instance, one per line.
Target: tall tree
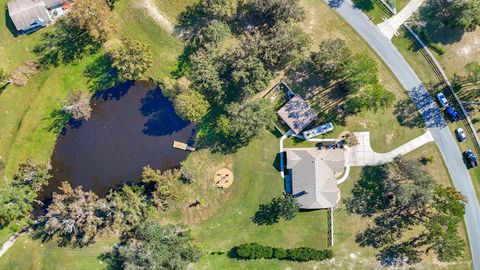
(273, 11)
(153, 246)
(247, 121)
(332, 59)
(92, 16)
(371, 97)
(205, 74)
(75, 216)
(191, 106)
(132, 60)
(165, 185)
(412, 214)
(129, 207)
(219, 9)
(18, 195)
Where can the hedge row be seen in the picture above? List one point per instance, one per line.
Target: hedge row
(302, 254)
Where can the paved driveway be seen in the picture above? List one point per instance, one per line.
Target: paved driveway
(430, 112)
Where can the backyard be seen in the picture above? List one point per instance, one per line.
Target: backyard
(224, 219)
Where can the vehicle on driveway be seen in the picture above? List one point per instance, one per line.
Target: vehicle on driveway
(452, 114)
(441, 99)
(461, 136)
(470, 158)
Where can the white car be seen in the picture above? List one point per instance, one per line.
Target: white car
(441, 99)
(461, 136)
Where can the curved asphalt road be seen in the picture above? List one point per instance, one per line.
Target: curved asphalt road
(433, 117)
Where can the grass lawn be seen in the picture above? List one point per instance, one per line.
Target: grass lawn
(171, 8)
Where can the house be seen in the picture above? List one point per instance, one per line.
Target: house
(30, 15)
(297, 114)
(312, 172)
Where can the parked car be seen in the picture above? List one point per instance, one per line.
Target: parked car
(452, 114)
(470, 158)
(461, 136)
(441, 99)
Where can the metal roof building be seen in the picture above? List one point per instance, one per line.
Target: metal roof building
(297, 114)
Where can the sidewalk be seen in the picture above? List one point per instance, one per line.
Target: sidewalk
(363, 154)
(390, 27)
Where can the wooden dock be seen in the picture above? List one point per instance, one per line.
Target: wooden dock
(183, 146)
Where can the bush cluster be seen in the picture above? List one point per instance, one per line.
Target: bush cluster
(251, 251)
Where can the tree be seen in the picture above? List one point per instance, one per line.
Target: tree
(78, 105)
(92, 16)
(361, 71)
(191, 106)
(332, 59)
(214, 33)
(219, 9)
(285, 207)
(75, 216)
(441, 14)
(132, 60)
(18, 195)
(403, 198)
(205, 74)
(129, 207)
(246, 121)
(165, 190)
(274, 11)
(153, 246)
(285, 44)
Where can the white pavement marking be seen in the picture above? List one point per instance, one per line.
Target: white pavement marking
(390, 26)
(363, 154)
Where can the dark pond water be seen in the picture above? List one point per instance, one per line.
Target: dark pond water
(132, 126)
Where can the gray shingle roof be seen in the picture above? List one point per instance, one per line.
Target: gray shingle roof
(297, 114)
(24, 12)
(313, 176)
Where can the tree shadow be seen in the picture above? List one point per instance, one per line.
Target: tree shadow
(335, 3)
(436, 29)
(58, 120)
(65, 44)
(162, 119)
(367, 197)
(267, 214)
(408, 115)
(100, 74)
(114, 93)
(365, 5)
(9, 24)
(191, 21)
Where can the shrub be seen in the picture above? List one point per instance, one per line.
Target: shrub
(302, 254)
(254, 251)
(305, 254)
(280, 253)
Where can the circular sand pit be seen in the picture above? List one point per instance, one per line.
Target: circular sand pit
(223, 178)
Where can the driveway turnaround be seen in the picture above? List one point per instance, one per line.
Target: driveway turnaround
(429, 110)
(363, 154)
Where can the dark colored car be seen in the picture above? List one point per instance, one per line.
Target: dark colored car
(470, 158)
(452, 114)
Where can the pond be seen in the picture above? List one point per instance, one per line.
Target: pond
(132, 126)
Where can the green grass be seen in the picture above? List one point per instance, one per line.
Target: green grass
(33, 254)
(172, 8)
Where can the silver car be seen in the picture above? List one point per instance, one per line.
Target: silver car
(461, 136)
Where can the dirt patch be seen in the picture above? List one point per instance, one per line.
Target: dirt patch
(389, 138)
(156, 14)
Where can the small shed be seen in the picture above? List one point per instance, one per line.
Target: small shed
(297, 114)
